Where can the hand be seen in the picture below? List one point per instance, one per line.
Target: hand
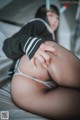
(42, 56)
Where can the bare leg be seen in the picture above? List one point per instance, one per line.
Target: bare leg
(34, 97)
(65, 67)
(58, 103)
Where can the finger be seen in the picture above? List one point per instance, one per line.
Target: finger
(50, 43)
(45, 56)
(41, 59)
(46, 47)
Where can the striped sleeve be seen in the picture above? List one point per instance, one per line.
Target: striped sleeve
(31, 46)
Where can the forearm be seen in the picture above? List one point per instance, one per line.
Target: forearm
(24, 41)
(17, 46)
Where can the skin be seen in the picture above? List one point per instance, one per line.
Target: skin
(59, 102)
(51, 61)
(40, 54)
(64, 68)
(53, 20)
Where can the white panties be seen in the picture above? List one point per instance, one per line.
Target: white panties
(49, 84)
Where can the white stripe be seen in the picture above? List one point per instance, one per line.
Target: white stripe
(30, 44)
(26, 44)
(33, 46)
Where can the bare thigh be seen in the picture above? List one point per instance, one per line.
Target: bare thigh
(57, 103)
(37, 98)
(64, 67)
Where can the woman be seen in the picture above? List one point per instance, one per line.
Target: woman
(40, 90)
(32, 36)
